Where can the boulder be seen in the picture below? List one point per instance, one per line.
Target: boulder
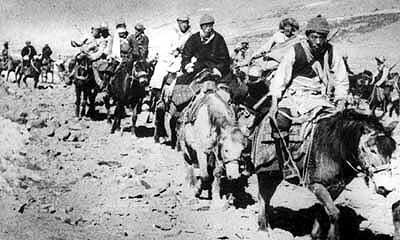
(364, 214)
(62, 133)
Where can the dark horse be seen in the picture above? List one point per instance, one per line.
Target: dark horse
(12, 65)
(343, 145)
(83, 79)
(127, 87)
(30, 69)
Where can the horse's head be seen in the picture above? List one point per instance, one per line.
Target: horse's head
(375, 149)
(230, 146)
(140, 73)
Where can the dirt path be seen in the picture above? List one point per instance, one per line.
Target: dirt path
(100, 186)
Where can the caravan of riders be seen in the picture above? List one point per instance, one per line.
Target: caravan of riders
(219, 108)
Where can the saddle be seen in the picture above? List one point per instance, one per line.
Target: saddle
(190, 112)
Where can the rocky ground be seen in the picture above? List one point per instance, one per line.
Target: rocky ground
(63, 179)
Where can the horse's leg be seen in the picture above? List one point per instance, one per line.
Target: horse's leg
(107, 104)
(8, 74)
(86, 96)
(35, 81)
(78, 92)
(117, 116)
(19, 80)
(159, 117)
(24, 80)
(92, 102)
(267, 184)
(333, 212)
(135, 109)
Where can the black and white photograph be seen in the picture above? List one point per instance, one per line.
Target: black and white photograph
(199, 119)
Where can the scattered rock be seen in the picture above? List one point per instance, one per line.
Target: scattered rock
(161, 190)
(110, 163)
(68, 210)
(139, 195)
(52, 210)
(163, 228)
(145, 184)
(50, 131)
(36, 123)
(62, 133)
(140, 169)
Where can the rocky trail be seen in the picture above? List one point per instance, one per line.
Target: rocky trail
(67, 179)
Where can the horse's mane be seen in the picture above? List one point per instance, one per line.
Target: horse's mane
(339, 136)
(220, 114)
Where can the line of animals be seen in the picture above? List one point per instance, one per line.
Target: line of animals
(214, 140)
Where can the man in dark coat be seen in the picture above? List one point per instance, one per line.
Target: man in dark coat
(27, 53)
(139, 42)
(206, 49)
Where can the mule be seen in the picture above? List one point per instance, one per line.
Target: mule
(47, 67)
(127, 87)
(12, 65)
(213, 142)
(83, 80)
(343, 145)
(30, 69)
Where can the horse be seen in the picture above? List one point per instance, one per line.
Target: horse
(12, 65)
(127, 87)
(214, 142)
(343, 145)
(30, 69)
(47, 67)
(359, 84)
(83, 79)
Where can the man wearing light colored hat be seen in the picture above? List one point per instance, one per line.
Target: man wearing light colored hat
(302, 86)
(121, 48)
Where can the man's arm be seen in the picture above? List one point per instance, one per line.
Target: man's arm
(341, 79)
(187, 52)
(222, 56)
(283, 75)
(385, 74)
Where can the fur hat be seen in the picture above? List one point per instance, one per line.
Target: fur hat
(318, 24)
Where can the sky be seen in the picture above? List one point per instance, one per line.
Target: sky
(56, 22)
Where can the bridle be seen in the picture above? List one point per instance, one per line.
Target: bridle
(368, 170)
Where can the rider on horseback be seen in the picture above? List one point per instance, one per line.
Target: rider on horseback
(46, 53)
(99, 56)
(288, 28)
(27, 53)
(203, 50)
(4, 53)
(306, 78)
(140, 42)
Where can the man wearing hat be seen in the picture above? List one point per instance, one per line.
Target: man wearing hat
(209, 49)
(46, 52)
(168, 68)
(303, 84)
(121, 49)
(205, 49)
(140, 41)
(27, 53)
(4, 53)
